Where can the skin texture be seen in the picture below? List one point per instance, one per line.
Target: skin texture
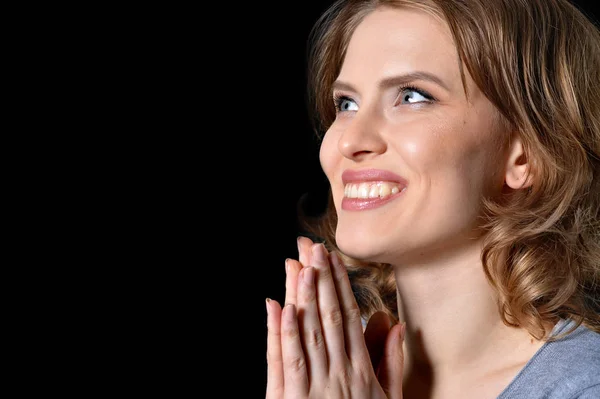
(452, 150)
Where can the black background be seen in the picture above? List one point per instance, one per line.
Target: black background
(274, 153)
(199, 120)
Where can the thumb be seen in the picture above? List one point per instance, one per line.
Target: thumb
(378, 328)
(392, 363)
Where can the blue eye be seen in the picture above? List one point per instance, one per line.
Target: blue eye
(343, 104)
(412, 95)
(407, 95)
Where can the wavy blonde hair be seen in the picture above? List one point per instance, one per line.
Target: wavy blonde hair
(538, 62)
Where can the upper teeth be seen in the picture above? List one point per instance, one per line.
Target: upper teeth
(371, 190)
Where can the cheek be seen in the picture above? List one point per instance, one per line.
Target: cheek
(443, 146)
(423, 149)
(328, 154)
(454, 162)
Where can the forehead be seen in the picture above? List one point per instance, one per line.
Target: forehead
(390, 41)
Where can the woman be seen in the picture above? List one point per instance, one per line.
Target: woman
(462, 146)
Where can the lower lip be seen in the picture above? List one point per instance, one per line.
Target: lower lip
(363, 204)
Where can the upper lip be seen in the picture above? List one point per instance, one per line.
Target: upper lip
(365, 175)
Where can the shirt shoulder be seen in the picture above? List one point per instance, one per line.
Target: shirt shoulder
(588, 393)
(566, 368)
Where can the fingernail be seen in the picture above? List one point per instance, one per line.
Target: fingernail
(402, 331)
(287, 265)
(318, 251)
(267, 303)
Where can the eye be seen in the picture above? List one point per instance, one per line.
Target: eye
(344, 103)
(412, 95)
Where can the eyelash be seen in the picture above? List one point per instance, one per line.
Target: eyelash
(338, 98)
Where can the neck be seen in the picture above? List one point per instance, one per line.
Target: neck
(451, 314)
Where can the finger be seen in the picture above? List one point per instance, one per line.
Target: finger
(392, 364)
(304, 250)
(274, 358)
(355, 341)
(310, 326)
(292, 268)
(375, 334)
(330, 313)
(295, 376)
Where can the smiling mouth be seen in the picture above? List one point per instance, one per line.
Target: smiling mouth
(372, 190)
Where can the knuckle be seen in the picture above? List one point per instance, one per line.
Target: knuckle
(324, 273)
(295, 363)
(333, 316)
(357, 378)
(353, 314)
(339, 276)
(344, 376)
(362, 375)
(315, 338)
(308, 295)
(271, 330)
(290, 332)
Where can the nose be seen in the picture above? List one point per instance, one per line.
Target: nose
(361, 138)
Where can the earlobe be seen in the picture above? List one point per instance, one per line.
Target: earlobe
(518, 167)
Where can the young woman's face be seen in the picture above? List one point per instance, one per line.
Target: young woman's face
(408, 157)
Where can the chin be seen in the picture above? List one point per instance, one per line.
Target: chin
(369, 243)
(362, 245)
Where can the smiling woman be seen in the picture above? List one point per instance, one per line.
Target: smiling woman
(459, 256)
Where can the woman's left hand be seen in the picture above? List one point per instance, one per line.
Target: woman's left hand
(315, 344)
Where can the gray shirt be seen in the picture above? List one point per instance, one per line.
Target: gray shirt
(568, 368)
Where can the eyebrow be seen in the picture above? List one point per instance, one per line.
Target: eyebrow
(396, 81)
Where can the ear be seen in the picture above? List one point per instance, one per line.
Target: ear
(518, 167)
